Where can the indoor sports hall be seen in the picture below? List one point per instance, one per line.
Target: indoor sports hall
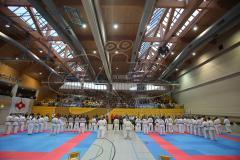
(119, 80)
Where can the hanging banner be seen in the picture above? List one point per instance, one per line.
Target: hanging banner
(20, 105)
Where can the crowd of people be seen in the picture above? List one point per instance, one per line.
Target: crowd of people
(199, 125)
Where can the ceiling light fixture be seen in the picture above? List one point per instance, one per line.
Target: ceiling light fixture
(17, 58)
(115, 26)
(94, 52)
(172, 53)
(7, 25)
(176, 69)
(148, 27)
(195, 28)
(84, 26)
(41, 51)
(116, 52)
(116, 68)
(40, 73)
(193, 54)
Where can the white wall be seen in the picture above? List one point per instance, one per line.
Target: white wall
(220, 97)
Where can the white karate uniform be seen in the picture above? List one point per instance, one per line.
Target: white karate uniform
(180, 125)
(41, 124)
(36, 125)
(62, 124)
(150, 124)
(218, 126)
(157, 126)
(22, 120)
(94, 124)
(162, 126)
(70, 123)
(185, 124)
(170, 125)
(204, 128)
(16, 124)
(46, 119)
(195, 127)
(211, 129)
(101, 128)
(9, 124)
(128, 128)
(54, 126)
(145, 125)
(30, 126)
(76, 124)
(138, 125)
(82, 125)
(227, 125)
(116, 124)
(191, 126)
(199, 124)
(59, 122)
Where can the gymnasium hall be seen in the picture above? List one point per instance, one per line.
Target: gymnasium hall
(119, 80)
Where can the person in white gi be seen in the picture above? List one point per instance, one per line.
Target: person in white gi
(145, 125)
(199, 124)
(94, 124)
(105, 122)
(46, 120)
(211, 129)
(62, 124)
(54, 125)
(41, 123)
(217, 125)
(9, 124)
(157, 125)
(16, 121)
(22, 120)
(190, 122)
(116, 124)
(150, 124)
(204, 128)
(128, 128)
(138, 124)
(185, 124)
(76, 124)
(59, 122)
(82, 125)
(162, 126)
(180, 125)
(36, 124)
(70, 123)
(166, 122)
(227, 125)
(170, 125)
(101, 128)
(195, 126)
(30, 124)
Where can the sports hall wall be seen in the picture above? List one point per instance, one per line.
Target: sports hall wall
(213, 88)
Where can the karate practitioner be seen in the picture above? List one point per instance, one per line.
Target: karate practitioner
(36, 124)
(199, 124)
(30, 124)
(169, 125)
(162, 126)
(211, 129)
(101, 128)
(116, 124)
(145, 125)
(218, 125)
(82, 125)
(70, 123)
(128, 128)
(157, 125)
(94, 124)
(59, 122)
(227, 125)
(16, 121)
(22, 120)
(41, 123)
(76, 124)
(195, 126)
(204, 128)
(9, 124)
(54, 126)
(46, 120)
(138, 124)
(150, 124)
(180, 125)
